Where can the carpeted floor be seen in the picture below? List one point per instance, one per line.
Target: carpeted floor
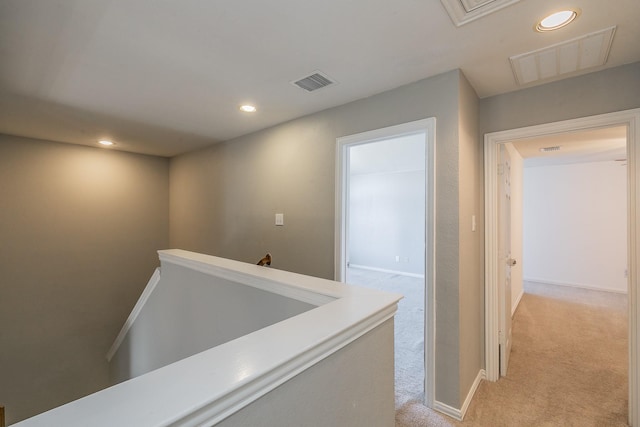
(568, 365)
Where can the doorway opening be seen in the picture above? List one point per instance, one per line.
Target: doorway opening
(630, 120)
(384, 237)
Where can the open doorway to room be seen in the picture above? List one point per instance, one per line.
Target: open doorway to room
(385, 237)
(572, 232)
(605, 147)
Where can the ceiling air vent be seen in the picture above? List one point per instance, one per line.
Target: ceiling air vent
(563, 59)
(549, 149)
(315, 81)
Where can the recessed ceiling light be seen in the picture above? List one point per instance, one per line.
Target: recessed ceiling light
(248, 109)
(105, 142)
(556, 20)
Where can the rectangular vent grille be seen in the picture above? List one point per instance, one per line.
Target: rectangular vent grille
(563, 59)
(313, 82)
(549, 149)
(471, 5)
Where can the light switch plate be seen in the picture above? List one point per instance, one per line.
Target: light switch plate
(279, 219)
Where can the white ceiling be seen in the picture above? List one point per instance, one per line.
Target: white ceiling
(592, 145)
(164, 77)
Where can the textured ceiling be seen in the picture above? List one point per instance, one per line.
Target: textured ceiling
(165, 77)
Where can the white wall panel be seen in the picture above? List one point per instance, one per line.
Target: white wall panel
(575, 225)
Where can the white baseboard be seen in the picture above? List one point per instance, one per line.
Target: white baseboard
(515, 306)
(383, 270)
(572, 285)
(458, 414)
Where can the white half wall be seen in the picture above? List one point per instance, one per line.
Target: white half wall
(189, 312)
(575, 225)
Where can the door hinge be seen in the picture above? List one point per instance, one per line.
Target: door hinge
(500, 337)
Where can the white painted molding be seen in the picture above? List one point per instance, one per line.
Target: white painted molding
(517, 304)
(474, 387)
(218, 410)
(450, 411)
(492, 141)
(459, 414)
(384, 270)
(264, 278)
(633, 166)
(573, 285)
(146, 293)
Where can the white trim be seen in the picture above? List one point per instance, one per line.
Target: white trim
(146, 293)
(216, 411)
(628, 118)
(515, 306)
(252, 275)
(443, 408)
(458, 414)
(341, 219)
(384, 270)
(472, 391)
(430, 269)
(633, 163)
(573, 285)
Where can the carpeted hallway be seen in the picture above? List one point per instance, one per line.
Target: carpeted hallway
(568, 365)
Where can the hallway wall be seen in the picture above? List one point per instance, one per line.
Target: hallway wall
(575, 225)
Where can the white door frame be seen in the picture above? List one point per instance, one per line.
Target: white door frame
(428, 126)
(628, 118)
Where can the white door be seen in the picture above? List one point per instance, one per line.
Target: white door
(504, 254)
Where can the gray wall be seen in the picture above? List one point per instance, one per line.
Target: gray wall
(471, 255)
(79, 230)
(223, 200)
(189, 312)
(615, 89)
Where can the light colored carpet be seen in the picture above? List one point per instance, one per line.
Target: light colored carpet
(568, 364)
